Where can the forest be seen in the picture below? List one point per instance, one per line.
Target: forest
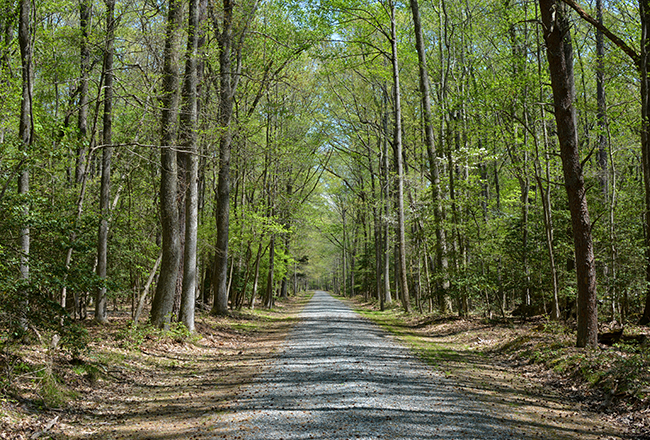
(163, 160)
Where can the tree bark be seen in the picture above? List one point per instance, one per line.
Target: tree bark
(601, 115)
(386, 293)
(145, 290)
(560, 57)
(82, 122)
(434, 166)
(268, 295)
(189, 120)
(220, 273)
(403, 281)
(105, 190)
(256, 277)
(26, 129)
(163, 301)
(644, 61)
(229, 52)
(641, 61)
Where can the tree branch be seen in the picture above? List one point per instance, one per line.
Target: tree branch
(609, 34)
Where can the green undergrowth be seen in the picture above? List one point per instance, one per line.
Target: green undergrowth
(133, 336)
(31, 375)
(621, 370)
(47, 378)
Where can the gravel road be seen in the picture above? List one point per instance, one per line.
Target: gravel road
(341, 377)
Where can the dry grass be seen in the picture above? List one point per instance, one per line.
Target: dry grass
(139, 383)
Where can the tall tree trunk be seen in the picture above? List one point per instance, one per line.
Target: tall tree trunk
(560, 57)
(434, 166)
(444, 300)
(378, 240)
(524, 185)
(546, 192)
(82, 122)
(189, 118)
(642, 61)
(403, 281)
(105, 190)
(601, 115)
(386, 293)
(220, 273)
(26, 130)
(163, 302)
(548, 217)
(644, 67)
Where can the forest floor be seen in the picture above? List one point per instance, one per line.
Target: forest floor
(133, 383)
(136, 382)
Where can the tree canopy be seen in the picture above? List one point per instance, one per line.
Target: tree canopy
(295, 138)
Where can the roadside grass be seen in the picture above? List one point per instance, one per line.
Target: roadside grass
(124, 363)
(533, 357)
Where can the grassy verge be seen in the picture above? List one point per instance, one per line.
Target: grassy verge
(135, 381)
(533, 370)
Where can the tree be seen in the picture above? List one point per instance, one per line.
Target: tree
(163, 301)
(105, 191)
(82, 121)
(25, 133)
(401, 228)
(432, 155)
(560, 59)
(641, 61)
(230, 48)
(189, 119)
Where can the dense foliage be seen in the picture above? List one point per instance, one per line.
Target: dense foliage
(314, 177)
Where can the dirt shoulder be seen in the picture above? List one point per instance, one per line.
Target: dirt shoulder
(486, 361)
(134, 386)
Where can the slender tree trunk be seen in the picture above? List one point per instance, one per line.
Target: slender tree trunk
(560, 56)
(644, 11)
(444, 300)
(105, 190)
(378, 240)
(353, 254)
(434, 166)
(344, 291)
(82, 122)
(256, 277)
(601, 115)
(189, 119)
(26, 130)
(524, 183)
(548, 220)
(220, 272)
(612, 238)
(386, 229)
(241, 296)
(285, 278)
(145, 290)
(163, 302)
(268, 296)
(546, 192)
(403, 281)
